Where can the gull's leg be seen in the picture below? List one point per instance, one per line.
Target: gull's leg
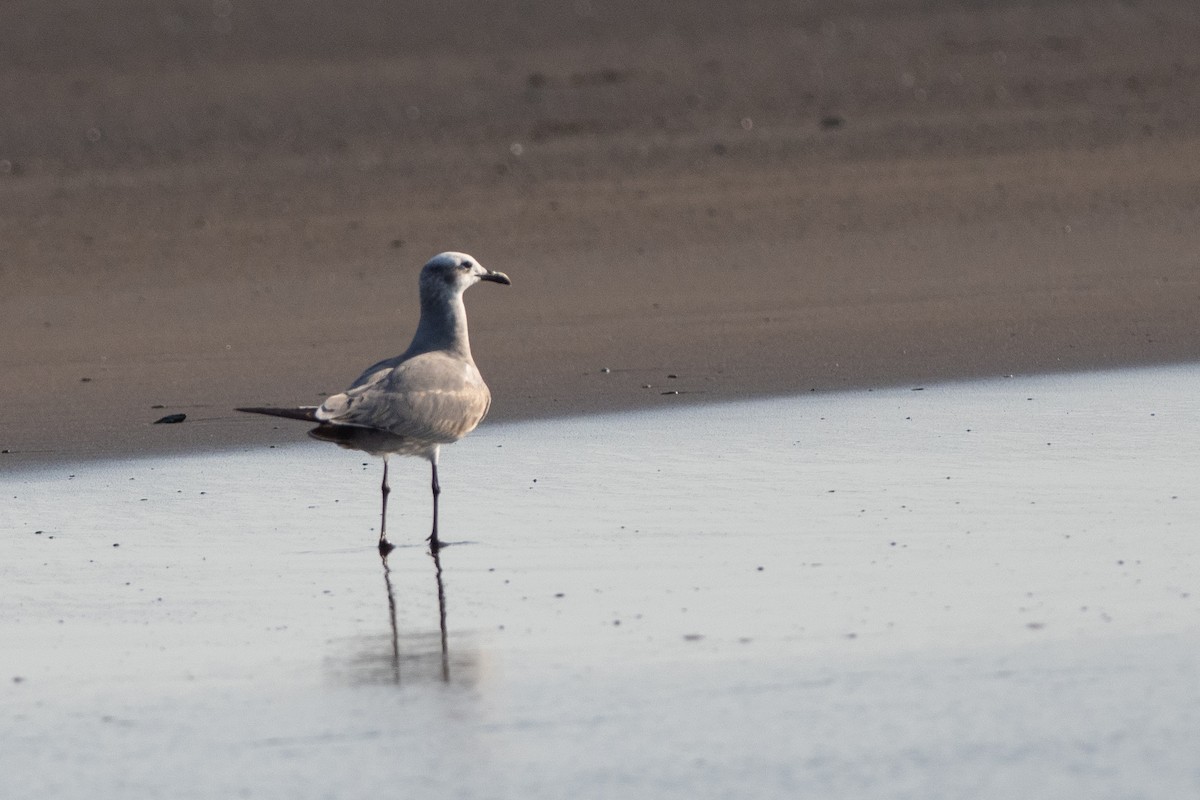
(385, 546)
(434, 543)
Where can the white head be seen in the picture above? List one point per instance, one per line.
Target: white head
(443, 322)
(455, 272)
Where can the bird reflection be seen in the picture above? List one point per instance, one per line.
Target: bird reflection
(416, 644)
(435, 553)
(391, 595)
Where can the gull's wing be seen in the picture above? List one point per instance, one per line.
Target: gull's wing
(371, 373)
(433, 397)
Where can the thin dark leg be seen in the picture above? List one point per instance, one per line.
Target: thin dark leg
(434, 543)
(385, 546)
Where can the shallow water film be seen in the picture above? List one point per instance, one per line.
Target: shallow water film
(979, 589)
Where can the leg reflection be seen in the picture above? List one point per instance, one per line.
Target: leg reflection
(391, 596)
(441, 595)
(414, 641)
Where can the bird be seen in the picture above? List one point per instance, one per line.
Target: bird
(430, 395)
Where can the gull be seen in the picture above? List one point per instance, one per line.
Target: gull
(430, 395)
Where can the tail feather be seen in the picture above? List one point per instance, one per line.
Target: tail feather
(306, 413)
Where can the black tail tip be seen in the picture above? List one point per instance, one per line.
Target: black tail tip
(306, 413)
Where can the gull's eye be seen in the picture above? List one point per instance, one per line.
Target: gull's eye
(465, 265)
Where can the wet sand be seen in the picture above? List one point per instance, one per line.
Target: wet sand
(213, 205)
(982, 590)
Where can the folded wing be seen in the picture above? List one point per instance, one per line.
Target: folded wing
(433, 397)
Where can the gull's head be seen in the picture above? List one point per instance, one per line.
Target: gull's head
(456, 272)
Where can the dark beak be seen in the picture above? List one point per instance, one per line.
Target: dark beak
(496, 277)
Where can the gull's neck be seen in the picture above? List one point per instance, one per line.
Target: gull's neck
(443, 324)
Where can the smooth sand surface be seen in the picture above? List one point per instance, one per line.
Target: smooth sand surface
(208, 205)
(981, 590)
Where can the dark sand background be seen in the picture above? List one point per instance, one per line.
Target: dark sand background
(210, 204)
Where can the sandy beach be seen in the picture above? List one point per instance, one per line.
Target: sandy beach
(211, 205)
(843, 429)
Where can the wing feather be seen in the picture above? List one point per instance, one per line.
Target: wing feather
(432, 397)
